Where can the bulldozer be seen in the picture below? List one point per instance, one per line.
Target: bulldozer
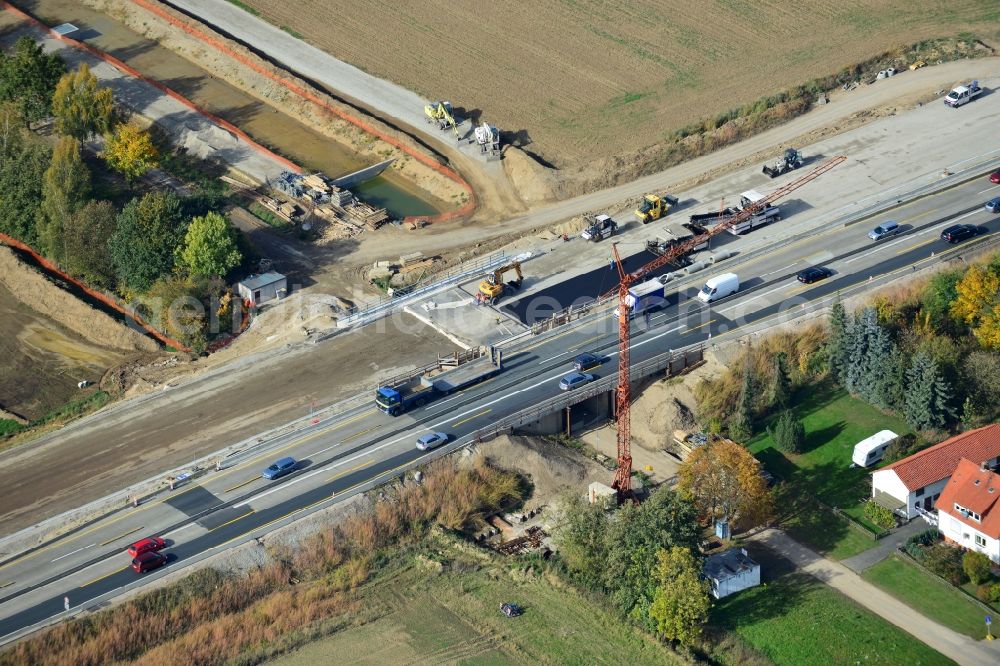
(493, 287)
(653, 207)
(442, 114)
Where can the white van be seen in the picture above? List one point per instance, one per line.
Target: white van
(869, 451)
(719, 287)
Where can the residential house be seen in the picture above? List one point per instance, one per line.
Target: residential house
(730, 571)
(968, 514)
(914, 484)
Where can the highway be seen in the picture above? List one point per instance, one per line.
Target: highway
(345, 453)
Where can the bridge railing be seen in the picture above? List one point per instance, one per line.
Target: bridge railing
(674, 362)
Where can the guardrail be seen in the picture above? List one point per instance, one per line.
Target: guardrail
(673, 362)
(385, 305)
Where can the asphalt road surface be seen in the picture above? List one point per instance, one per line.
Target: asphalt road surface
(345, 452)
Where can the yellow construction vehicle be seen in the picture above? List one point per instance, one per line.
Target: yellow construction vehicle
(442, 114)
(493, 287)
(653, 207)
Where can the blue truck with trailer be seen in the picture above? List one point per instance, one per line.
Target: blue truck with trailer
(447, 376)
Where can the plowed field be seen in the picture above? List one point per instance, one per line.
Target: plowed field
(587, 78)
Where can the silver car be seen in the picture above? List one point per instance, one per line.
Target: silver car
(431, 440)
(884, 230)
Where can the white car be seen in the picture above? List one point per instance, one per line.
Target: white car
(431, 440)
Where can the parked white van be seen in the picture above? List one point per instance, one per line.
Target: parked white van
(719, 287)
(869, 451)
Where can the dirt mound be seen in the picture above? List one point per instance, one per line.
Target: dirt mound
(668, 405)
(552, 468)
(534, 183)
(35, 290)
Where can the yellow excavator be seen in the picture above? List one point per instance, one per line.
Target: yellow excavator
(653, 207)
(493, 287)
(442, 114)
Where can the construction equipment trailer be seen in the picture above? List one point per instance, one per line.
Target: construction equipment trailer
(450, 374)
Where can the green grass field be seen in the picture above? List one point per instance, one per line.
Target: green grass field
(929, 596)
(794, 619)
(418, 616)
(834, 423)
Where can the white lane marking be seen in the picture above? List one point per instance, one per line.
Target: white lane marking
(877, 249)
(75, 551)
(991, 187)
(770, 291)
(179, 529)
(780, 269)
(544, 360)
(277, 488)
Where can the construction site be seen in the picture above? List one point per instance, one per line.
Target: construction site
(577, 253)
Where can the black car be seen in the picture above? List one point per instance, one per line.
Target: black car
(959, 232)
(585, 362)
(814, 274)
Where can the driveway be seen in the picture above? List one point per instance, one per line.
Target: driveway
(963, 649)
(885, 546)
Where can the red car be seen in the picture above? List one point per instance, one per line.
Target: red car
(995, 178)
(150, 545)
(148, 561)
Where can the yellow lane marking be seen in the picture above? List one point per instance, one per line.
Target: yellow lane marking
(914, 247)
(587, 342)
(348, 471)
(920, 215)
(100, 578)
(306, 508)
(474, 416)
(7, 584)
(230, 522)
(105, 543)
(241, 484)
(359, 433)
(692, 330)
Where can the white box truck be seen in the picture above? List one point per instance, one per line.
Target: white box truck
(869, 451)
(719, 287)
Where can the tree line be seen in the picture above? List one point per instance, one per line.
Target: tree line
(163, 253)
(928, 351)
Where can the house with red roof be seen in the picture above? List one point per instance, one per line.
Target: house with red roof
(913, 485)
(968, 511)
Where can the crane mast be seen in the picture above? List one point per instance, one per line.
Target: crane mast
(623, 393)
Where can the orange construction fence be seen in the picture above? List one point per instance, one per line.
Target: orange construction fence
(294, 87)
(103, 298)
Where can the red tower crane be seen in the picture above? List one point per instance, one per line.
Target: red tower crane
(623, 393)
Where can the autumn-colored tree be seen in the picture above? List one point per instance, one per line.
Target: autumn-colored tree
(976, 302)
(680, 601)
(130, 151)
(724, 481)
(81, 107)
(64, 189)
(209, 246)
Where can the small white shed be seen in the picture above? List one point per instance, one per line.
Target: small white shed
(869, 451)
(263, 288)
(731, 571)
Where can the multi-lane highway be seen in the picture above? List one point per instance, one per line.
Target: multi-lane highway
(349, 451)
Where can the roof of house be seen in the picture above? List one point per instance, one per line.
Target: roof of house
(939, 461)
(727, 564)
(977, 490)
(264, 279)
